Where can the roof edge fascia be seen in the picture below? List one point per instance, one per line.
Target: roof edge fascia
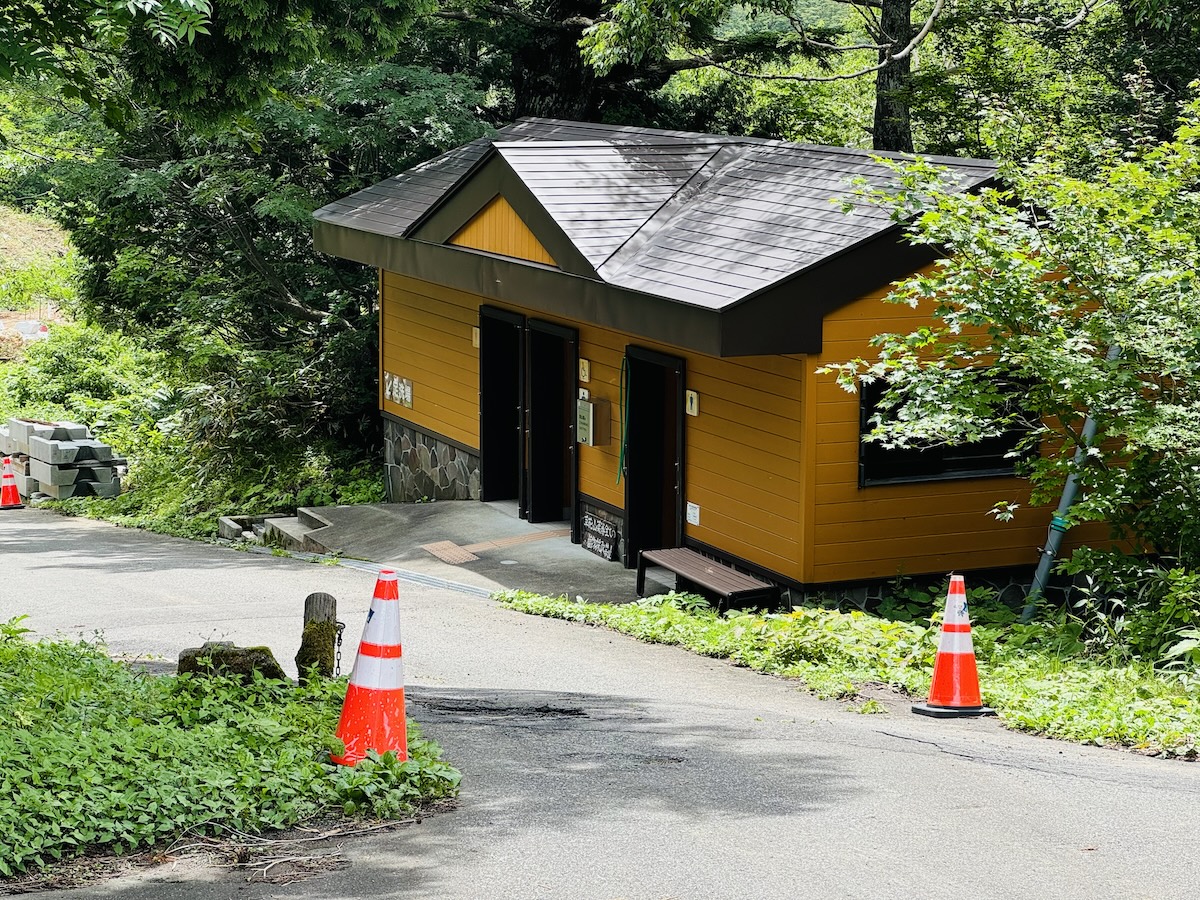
(541, 288)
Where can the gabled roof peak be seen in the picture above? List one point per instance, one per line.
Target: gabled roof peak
(702, 219)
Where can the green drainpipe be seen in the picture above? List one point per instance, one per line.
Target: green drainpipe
(1058, 522)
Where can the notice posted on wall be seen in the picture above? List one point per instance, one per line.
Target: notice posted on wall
(599, 536)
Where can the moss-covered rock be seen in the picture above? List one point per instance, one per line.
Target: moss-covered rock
(224, 658)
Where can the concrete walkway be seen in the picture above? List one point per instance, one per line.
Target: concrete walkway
(481, 545)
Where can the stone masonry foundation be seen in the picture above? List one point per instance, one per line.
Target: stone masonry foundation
(421, 467)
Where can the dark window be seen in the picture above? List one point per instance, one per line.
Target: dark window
(878, 464)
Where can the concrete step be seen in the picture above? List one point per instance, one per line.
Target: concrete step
(286, 532)
(318, 539)
(311, 517)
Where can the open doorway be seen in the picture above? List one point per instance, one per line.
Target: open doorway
(653, 451)
(527, 376)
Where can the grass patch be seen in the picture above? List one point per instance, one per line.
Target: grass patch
(26, 239)
(1036, 676)
(96, 757)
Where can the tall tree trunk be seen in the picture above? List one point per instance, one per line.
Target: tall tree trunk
(893, 123)
(550, 77)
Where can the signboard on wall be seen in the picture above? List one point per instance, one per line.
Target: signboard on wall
(397, 389)
(599, 536)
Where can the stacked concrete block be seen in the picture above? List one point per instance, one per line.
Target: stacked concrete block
(26, 483)
(60, 459)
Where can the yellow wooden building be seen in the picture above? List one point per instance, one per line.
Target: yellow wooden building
(620, 328)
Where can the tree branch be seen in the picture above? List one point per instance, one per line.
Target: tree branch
(1086, 8)
(498, 10)
(717, 60)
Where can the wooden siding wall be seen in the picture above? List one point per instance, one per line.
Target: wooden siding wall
(766, 494)
(498, 229)
(426, 338)
(885, 530)
(742, 452)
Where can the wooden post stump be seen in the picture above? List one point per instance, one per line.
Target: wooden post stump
(317, 643)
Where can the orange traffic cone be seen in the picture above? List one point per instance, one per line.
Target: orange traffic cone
(9, 497)
(373, 712)
(955, 689)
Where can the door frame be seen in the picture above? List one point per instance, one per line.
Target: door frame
(678, 365)
(571, 372)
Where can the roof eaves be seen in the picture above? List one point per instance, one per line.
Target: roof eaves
(893, 231)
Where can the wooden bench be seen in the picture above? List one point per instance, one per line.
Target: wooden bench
(690, 568)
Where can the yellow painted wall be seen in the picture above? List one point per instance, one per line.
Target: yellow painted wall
(766, 494)
(742, 452)
(426, 338)
(886, 530)
(498, 229)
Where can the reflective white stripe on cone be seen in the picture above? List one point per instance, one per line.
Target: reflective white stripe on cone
(373, 712)
(954, 692)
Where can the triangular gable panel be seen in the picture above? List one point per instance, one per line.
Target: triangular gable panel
(490, 178)
(498, 229)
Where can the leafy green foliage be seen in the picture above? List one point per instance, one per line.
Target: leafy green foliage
(254, 45)
(126, 393)
(632, 30)
(833, 113)
(1075, 297)
(1009, 78)
(1133, 607)
(252, 384)
(46, 284)
(97, 756)
(203, 244)
(1039, 676)
(77, 42)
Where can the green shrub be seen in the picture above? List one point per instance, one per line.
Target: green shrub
(1132, 607)
(43, 282)
(97, 756)
(176, 485)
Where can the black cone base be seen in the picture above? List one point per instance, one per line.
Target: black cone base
(952, 712)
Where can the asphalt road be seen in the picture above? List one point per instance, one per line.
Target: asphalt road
(600, 768)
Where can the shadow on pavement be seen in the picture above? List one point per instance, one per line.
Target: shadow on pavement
(544, 768)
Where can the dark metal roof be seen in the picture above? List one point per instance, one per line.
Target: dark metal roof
(601, 193)
(709, 221)
(396, 203)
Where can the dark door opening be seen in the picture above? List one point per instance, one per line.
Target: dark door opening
(552, 354)
(653, 452)
(501, 405)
